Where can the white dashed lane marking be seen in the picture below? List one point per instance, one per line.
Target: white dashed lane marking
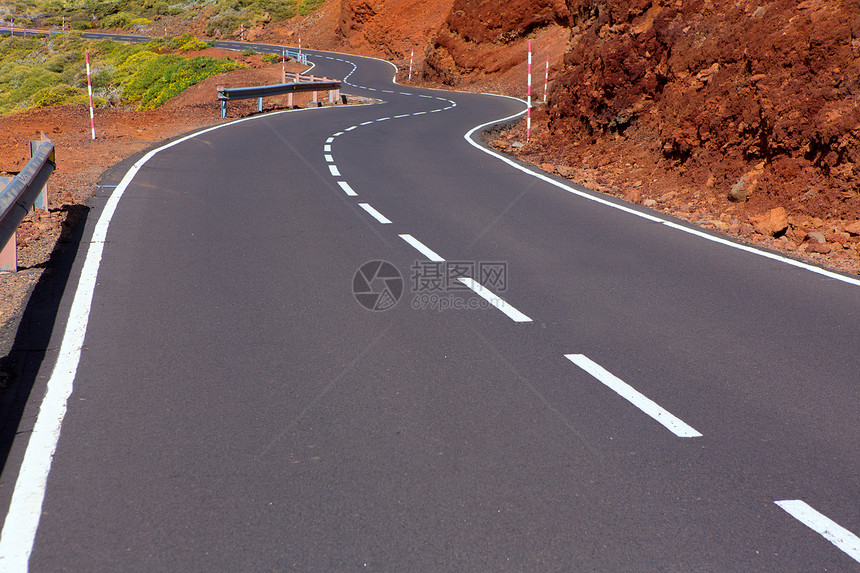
(494, 300)
(334, 171)
(422, 248)
(648, 406)
(374, 213)
(347, 189)
(823, 525)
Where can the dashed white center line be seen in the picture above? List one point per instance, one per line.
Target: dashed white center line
(422, 248)
(405, 94)
(327, 148)
(426, 96)
(383, 119)
(402, 115)
(674, 425)
(387, 91)
(336, 134)
(374, 213)
(494, 300)
(347, 189)
(329, 159)
(350, 128)
(334, 171)
(365, 123)
(330, 140)
(419, 113)
(824, 526)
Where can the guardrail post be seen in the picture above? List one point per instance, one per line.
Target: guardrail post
(259, 104)
(223, 109)
(9, 252)
(42, 199)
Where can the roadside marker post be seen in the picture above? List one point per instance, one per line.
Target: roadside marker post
(546, 80)
(90, 90)
(411, 58)
(529, 98)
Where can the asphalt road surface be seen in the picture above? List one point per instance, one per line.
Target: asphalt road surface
(545, 379)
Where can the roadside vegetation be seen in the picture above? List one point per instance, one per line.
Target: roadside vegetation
(223, 17)
(38, 72)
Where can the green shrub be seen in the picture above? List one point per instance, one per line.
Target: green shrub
(59, 62)
(180, 75)
(194, 45)
(277, 9)
(60, 94)
(308, 6)
(225, 23)
(118, 20)
(38, 73)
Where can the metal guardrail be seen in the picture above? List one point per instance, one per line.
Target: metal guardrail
(313, 84)
(297, 55)
(19, 195)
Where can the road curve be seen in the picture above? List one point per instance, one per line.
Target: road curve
(562, 382)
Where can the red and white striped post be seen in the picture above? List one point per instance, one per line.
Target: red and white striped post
(283, 65)
(546, 80)
(529, 98)
(242, 32)
(90, 90)
(300, 47)
(411, 57)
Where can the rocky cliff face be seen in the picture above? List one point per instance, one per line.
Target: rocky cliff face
(757, 100)
(394, 27)
(485, 37)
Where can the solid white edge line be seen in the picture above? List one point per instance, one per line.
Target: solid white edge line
(334, 171)
(823, 525)
(647, 216)
(422, 248)
(25, 507)
(494, 300)
(374, 213)
(658, 413)
(347, 189)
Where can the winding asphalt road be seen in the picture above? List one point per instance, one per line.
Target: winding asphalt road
(566, 383)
